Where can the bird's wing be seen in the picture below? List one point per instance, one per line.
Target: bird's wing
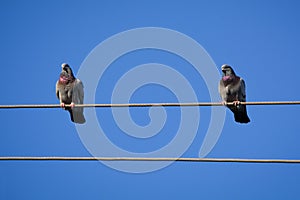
(222, 91)
(242, 91)
(57, 89)
(77, 98)
(78, 93)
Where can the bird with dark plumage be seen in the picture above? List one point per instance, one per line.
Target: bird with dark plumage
(232, 89)
(69, 90)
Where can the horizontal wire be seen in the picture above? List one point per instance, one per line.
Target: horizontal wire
(236, 160)
(232, 160)
(152, 104)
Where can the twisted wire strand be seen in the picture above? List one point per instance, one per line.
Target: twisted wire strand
(231, 160)
(234, 160)
(151, 104)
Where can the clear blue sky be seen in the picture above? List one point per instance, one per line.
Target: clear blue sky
(260, 39)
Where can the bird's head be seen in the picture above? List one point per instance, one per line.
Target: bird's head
(66, 74)
(228, 73)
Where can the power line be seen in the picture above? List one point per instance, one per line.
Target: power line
(231, 160)
(151, 104)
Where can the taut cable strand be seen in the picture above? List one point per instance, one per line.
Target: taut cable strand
(232, 160)
(151, 104)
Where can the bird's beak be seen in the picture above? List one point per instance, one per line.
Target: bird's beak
(223, 70)
(63, 65)
(224, 66)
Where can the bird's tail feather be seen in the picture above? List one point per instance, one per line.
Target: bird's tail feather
(241, 117)
(77, 116)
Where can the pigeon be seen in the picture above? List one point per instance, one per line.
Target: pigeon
(69, 90)
(232, 89)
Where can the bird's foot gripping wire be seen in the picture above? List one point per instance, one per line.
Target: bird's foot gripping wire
(224, 103)
(236, 103)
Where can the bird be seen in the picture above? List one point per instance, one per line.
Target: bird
(232, 88)
(69, 90)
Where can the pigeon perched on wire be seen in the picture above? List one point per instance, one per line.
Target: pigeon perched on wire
(69, 90)
(232, 89)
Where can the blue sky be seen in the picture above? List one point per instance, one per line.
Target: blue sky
(260, 39)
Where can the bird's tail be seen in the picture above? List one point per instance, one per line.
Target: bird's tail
(77, 116)
(240, 113)
(241, 117)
